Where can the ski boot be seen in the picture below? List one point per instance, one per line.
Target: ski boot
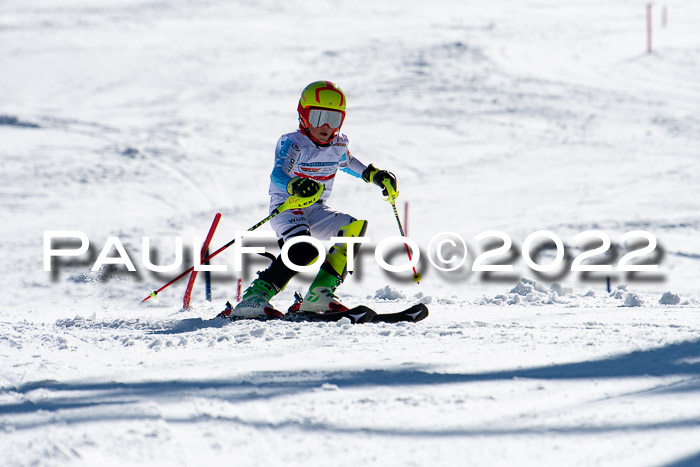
(321, 296)
(255, 303)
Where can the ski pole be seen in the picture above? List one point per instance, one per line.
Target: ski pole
(392, 195)
(293, 202)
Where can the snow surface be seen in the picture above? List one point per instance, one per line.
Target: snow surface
(138, 118)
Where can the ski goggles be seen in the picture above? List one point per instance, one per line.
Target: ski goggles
(320, 117)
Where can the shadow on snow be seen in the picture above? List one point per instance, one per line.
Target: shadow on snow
(105, 400)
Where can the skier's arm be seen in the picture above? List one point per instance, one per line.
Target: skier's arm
(286, 154)
(351, 165)
(370, 173)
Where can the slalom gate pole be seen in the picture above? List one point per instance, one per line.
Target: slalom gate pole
(393, 194)
(207, 281)
(293, 202)
(649, 5)
(202, 255)
(405, 216)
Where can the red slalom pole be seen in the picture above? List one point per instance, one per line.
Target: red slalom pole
(156, 292)
(292, 202)
(193, 276)
(649, 27)
(405, 216)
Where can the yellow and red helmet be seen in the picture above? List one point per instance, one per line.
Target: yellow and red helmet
(321, 103)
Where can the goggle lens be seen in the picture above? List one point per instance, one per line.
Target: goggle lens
(320, 117)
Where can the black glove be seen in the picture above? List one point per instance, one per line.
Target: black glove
(376, 176)
(303, 187)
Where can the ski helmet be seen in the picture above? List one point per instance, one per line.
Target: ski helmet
(321, 102)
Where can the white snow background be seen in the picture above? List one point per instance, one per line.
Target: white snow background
(142, 118)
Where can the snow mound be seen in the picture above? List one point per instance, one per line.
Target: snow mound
(388, 293)
(632, 299)
(527, 291)
(422, 298)
(343, 322)
(619, 292)
(560, 289)
(670, 298)
(527, 286)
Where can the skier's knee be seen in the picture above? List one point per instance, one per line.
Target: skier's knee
(302, 253)
(356, 228)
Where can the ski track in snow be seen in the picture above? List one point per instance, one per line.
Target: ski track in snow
(143, 118)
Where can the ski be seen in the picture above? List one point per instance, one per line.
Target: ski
(417, 312)
(364, 314)
(357, 315)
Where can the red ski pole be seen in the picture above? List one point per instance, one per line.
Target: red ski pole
(293, 202)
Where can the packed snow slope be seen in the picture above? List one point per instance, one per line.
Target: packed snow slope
(138, 118)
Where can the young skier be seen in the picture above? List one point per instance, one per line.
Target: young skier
(304, 160)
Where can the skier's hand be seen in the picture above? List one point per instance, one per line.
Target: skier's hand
(376, 176)
(303, 187)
